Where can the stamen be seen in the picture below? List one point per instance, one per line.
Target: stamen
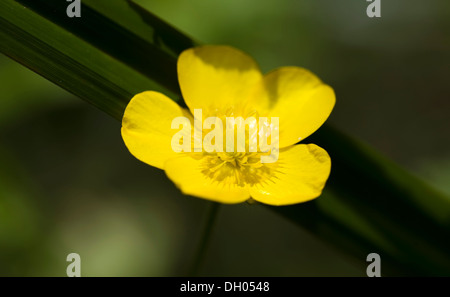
(237, 167)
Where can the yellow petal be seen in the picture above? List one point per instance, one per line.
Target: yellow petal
(217, 79)
(186, 172)
(300, 175)
(300, 100)
(146, 127)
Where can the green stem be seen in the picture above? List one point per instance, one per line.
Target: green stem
(205, 238)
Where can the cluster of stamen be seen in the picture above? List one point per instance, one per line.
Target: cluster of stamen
(237, 168)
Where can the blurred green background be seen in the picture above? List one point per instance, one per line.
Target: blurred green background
(68, 184)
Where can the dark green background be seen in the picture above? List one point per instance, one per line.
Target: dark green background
(68, 184)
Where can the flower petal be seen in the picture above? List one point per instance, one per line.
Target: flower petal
(300, 175)
(300, 100)
(146, 127)
(186, 172)
(217, 78)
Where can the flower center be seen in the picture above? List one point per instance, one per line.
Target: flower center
(236, 168)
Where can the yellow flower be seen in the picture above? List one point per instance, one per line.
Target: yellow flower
(223, 81)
